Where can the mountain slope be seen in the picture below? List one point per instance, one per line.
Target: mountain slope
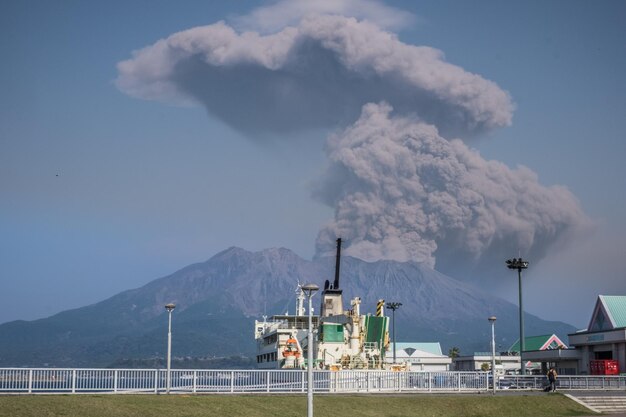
(218, 300)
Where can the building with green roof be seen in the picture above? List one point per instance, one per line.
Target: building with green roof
(603, 339)
(509, 361)
(420, 356)
(543, 342)
(609, 314)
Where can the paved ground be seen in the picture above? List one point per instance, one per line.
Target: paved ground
(599, 394)
(607, 415)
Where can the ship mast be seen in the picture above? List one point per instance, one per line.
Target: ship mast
(299, 301)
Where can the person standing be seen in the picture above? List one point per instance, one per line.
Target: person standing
(552, 378)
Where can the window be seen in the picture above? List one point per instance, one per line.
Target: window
(553, 345)
(600, 323)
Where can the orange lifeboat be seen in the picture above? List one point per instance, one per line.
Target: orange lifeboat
(291, 348)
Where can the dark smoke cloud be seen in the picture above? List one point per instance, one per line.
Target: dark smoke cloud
(401, 191)
(399, 188)
(317, 74)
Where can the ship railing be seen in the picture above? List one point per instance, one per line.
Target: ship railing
(286, 325)
(55, 380)
(370, 346)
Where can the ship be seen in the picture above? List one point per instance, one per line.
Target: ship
(342, 339)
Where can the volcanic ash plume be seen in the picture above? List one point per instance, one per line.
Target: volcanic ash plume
(315, 75)
(401, 191)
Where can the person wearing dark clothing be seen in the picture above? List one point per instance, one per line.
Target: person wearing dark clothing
(552, 379)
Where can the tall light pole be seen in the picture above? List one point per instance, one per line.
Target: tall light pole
(169, 307)
(519, 264)
(309, 290)
(393, 307)
(492, 320)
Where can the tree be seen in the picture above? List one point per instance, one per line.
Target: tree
(454, 352)
(485, 367)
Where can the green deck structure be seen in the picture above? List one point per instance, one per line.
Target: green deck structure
(332, 333)
(376, 329)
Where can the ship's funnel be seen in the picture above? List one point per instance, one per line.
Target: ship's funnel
(332, 301)
(337, 265)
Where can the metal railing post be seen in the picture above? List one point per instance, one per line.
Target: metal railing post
(232, 381)
(73, 381)
(195, 381)
(267, 379)
(115, 381)
(30, 381)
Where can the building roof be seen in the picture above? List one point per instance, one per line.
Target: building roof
(609, 313)
(617, 308)
(419, 348)
(543, 342)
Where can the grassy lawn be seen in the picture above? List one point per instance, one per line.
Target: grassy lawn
(288, 405)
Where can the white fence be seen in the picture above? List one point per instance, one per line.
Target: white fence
(51, 380)
(565, 382)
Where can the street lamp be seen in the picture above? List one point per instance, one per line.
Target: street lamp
(393, 307)
(169, 307)
(492, 320)
(519, 264)
(309, 290)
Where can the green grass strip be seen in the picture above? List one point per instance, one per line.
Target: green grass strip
(423, 405)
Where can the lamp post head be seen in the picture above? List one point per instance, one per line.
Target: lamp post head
(516, 263)
(169, 307)
(492, 319)
(310, 289)
(393, 306)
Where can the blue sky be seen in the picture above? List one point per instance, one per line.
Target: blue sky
(101, 192)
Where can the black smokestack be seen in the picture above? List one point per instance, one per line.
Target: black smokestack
(337, 264)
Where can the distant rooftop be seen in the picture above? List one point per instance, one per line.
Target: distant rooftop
(543, 342)
(609, 313)
(433, 348)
